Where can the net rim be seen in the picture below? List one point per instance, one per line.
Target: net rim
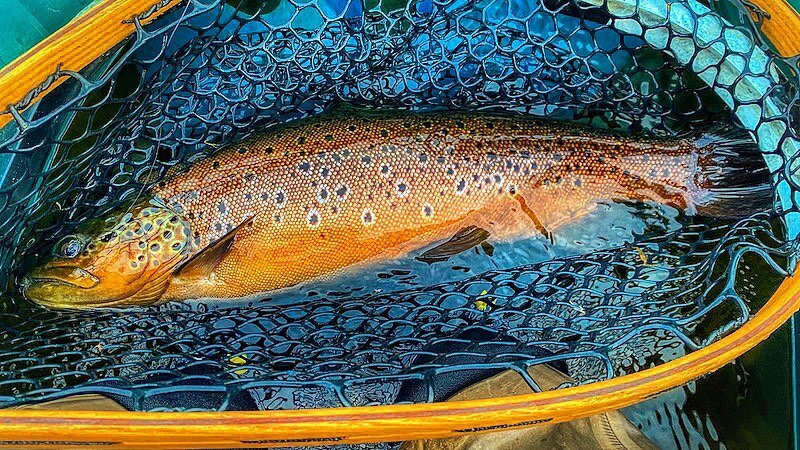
(393, 422)
(360, 424)
(71, 48)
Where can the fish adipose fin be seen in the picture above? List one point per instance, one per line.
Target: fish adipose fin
(733, 176)
(465, 239)
(203, 263)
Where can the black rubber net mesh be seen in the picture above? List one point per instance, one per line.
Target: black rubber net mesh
(208, 73)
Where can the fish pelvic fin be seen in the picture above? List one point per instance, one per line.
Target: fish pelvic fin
(465, 239)
(732, 177)
(203, 263)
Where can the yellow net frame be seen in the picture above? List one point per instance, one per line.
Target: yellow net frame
(76, 45)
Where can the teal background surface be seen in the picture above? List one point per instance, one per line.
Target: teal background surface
(24, 23)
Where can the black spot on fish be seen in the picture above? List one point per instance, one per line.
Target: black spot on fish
(352, 128)
(313, 218)
(221, 207)
(280, 198)
(384, 133)
(154, 247)
(328, 137)
(167, 234)
(249, 177)
(301, 140)
(402, 188)
(242, 150)
(269, 150)
(215, 165)
(367, 217)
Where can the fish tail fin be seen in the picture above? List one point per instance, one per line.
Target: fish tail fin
(733, 179)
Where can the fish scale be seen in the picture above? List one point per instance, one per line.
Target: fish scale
(334, 193)
(401, 179)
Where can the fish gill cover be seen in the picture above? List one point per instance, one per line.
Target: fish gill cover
(209, 73)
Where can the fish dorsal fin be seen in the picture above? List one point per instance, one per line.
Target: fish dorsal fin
(203, 263)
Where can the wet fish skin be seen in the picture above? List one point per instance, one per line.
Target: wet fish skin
(318, 196)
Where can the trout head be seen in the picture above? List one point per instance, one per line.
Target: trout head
(125, 259)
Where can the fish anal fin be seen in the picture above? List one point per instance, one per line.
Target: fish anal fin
(203, 263)
(465, 239)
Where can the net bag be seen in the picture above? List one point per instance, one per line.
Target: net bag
(625, 322)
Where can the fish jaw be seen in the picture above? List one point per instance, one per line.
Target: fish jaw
(51, 289)
(60, 287)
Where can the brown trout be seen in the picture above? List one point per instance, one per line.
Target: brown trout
(310, 199)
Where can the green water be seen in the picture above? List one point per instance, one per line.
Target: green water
(24, 23)
(744, 405)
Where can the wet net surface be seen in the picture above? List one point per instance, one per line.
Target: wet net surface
(206, 74)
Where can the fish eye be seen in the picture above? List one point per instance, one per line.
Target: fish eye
(69, 247)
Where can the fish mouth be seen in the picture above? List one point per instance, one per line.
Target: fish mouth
(39, 289)
(64, 275)
(28, 281)
(59, 287)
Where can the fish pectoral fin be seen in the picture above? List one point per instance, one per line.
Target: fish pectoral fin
(203, 263)
(465, 239)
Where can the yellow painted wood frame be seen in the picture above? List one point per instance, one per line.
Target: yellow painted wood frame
(79, 43)
(72, 47)
(57, 429)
